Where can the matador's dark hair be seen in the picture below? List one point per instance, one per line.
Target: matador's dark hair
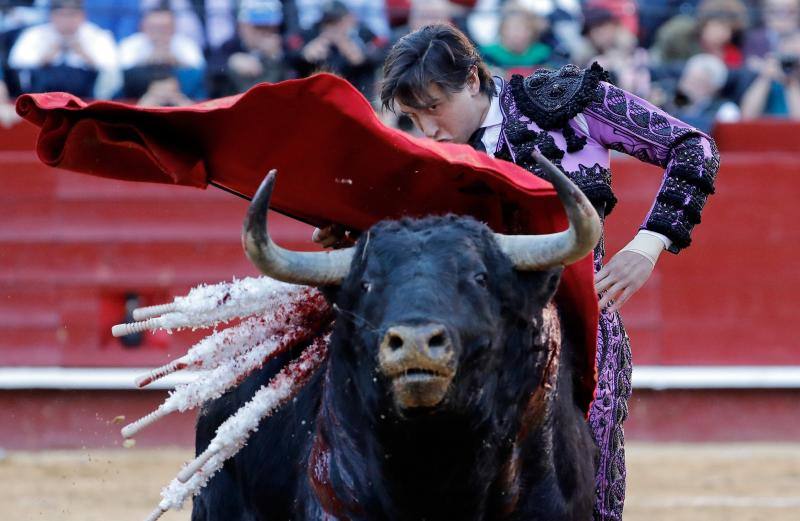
(437, 54)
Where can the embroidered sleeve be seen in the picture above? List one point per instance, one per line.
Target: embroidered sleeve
(624, 122)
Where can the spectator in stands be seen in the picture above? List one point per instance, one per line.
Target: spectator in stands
(256, 55)
(721, 27)
(219, 21)
(426, 12)
(19, 14)
(145, 56)
(340, 44)
(14, 19)
(610, 43)
(187, 17)
(121, 17)
(483, 23)
(675, 41)
(624, 11)
(565, 21)
(717, 28)
(655, 13)
(369, 13)
(8, 116)
(67, 54)
(163, 90)
(780, 18)
(419, 13)
(698, 100)
(518, 48)
(776, 89)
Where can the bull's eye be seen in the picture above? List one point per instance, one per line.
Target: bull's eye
(481, 279)
(366, 286)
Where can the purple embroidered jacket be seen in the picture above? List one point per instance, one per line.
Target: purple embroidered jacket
(574, 110)
(574, 117)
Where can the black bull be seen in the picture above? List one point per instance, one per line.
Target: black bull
(447, 393)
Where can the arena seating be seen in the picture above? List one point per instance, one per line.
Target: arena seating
(74, 248)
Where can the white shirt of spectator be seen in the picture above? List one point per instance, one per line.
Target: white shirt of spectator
(34, 43)
(136, 49)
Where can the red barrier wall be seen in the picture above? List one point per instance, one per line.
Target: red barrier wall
(72, 247)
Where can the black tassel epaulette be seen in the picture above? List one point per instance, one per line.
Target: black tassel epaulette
(551, 98)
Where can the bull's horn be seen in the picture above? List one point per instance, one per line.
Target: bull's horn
(538, 252)
(308, 268)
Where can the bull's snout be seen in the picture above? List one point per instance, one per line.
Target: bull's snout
(420, 363)
(429, 340)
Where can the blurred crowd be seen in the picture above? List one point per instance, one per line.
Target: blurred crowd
(703, 60)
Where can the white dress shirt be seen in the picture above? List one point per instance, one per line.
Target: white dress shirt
(493, 121)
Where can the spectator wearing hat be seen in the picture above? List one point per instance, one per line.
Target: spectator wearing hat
(255, 55)
(518, 48)
(157, 52)
(611, 43)
(343, 46)
(67, 53)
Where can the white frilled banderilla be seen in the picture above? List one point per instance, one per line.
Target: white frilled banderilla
(277, 316)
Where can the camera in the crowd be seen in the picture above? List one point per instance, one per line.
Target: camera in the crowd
(789, 63)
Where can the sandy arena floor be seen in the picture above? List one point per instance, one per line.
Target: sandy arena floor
(743, 482)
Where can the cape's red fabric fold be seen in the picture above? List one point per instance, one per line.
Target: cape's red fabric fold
(337, 163)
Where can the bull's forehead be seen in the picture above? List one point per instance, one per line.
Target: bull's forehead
(441, 247)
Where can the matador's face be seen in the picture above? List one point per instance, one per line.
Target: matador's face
(450, 117)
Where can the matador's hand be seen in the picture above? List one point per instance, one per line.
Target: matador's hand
(624, 274)
(333, 236)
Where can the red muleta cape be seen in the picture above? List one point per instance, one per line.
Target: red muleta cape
(337, 163)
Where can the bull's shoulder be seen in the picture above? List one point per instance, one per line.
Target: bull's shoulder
(552, 97)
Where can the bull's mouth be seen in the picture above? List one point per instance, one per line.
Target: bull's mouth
(419, 387)
(418, 375)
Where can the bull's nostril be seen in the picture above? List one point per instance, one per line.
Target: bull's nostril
(436, 340)
(395, 342)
